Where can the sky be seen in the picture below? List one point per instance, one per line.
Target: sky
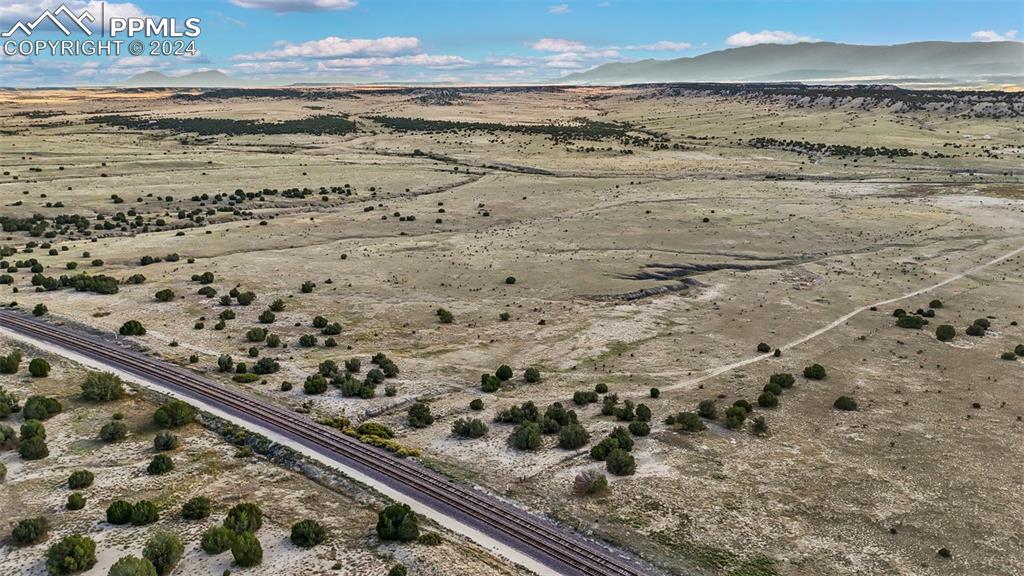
(481, 41)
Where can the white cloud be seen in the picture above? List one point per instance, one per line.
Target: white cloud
(270, 68)
(226, 18)
(334, 47)
(993, 36)
(662, 46)
(296, 5)
(559, 9)
(557, 45)
(766, 37)
(421, 60)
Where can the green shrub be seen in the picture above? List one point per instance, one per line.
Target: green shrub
(244, 517)
(734, 417)
(113, 431)
(102, 387)
(620, 463)
(30, 531)
(601, 388)
(308, 533)
(144, 512)
(80, 479)
(132, 566)
(249, 378)
(526, 436)
(315, 384)
(3, 468)
(33, 429)
(420, 416)
(444, 316)
(764, 348)
(845, 403)
(784, 380)
(911, 321)
(767, 400)
(39, 310)
(639, 428)
(1019, 350)
(504, 372)
(375, 429)
(975, 330)
(983, 322)
(8, 405)
(643, 413)
(476, 404)
(160, 464)
(165, 295)
(935, 304)
(40, 408)
(774, 388)
(707, 409)
(655, 392)
(532, 375)
(39, 368)
(398, 570)
(163, 550)
(174, 414)
(573, 436)
(256, 334)
(744, 404)
(196, 508)
(584, 397)
(33, 449)
(119, 512)
(246, 550)
(601, 450)
(398, 522)
(75, 501)
(690, 422)
(815, 372)
(469, 428)
(72, 554)
(132, 328)
(489, 383)
(165, 440)
(10, 363)
(216, 539)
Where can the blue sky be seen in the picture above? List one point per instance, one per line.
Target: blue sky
(485, 41)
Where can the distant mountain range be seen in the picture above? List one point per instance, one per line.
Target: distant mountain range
(920, 62)
(205, 79)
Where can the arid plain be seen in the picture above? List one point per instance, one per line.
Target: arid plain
(619, 239)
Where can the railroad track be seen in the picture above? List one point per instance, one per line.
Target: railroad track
(556, 548)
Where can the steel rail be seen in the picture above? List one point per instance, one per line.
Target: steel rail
(554, 547)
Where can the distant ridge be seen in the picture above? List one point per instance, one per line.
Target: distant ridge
(824, 62)
(205, 79)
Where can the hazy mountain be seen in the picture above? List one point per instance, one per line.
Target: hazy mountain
(822, 61)
(206, 79)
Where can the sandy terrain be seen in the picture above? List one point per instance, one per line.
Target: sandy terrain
(636, 266)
